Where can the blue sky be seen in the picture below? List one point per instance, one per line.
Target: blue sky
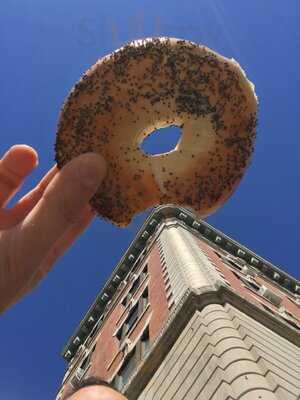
(45, 46)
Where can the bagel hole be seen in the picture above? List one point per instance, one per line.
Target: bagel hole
(161, 140)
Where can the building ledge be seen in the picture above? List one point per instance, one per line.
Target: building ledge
(179, 318)
(143, 238)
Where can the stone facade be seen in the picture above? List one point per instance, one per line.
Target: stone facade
(190, 314)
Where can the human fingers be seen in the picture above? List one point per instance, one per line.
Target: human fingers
(13, 216)
(61, 206)
(15, 165)
(58, 249)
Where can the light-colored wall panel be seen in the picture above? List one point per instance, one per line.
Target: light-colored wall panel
(258, 329)
(188, 267)
(209, 361)
(267, 352)
(284, 394)
(278, 359)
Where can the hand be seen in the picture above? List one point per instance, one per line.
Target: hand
(46, 221)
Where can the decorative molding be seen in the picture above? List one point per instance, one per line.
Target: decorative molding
(161, 218)
(178, 319)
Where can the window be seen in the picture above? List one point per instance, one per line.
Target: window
(233, 264)
(83, 367)
(248, 282)
(133, 315)
(131, 292)
(144, 272)
(119, 334)
(144, 300)
(94, 331)
(271, 296)
(145, 342)
(85, 363)
(126, 299)
(126, 370)
(251, 285)
(132, 360)
(135, 285)
(128, 323)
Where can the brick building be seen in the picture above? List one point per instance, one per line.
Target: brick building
(189, 313)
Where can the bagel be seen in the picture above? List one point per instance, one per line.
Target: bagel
(150, 84)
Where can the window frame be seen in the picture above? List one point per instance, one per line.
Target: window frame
(140, 305)
(138, 353)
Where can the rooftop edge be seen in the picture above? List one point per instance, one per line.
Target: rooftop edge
(126, 263)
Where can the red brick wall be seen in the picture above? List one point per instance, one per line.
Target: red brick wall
(106, 349)
(107, 356)
(237, 285)
(107, 345)
(157, 295)
(135, 334)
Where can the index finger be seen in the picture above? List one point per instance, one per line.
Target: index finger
(13, 216)
(62, 204)
(15, 165)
